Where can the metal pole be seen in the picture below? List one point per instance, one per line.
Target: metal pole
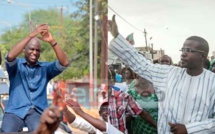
(104, 51)
(91, 55)
(95, 49)
(152, 52)
(145, 38)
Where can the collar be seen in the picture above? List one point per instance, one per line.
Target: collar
(24, 61)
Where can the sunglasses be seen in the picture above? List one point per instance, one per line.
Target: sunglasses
(190, 50)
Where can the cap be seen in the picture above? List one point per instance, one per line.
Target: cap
(103, 102)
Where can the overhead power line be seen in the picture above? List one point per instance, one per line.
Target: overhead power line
(125, 20)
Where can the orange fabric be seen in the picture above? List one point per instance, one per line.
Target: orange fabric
(59, 94)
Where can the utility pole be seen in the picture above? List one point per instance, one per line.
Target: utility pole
(61, 15)
(104, 50)
(145, 34)
(152, 51)
(91, 55)
(95, 48)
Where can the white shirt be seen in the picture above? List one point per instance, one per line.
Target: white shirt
(83, 125)
(122, 86)
(184, 99)
(112, 130)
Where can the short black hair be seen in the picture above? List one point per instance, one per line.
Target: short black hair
(203, 43)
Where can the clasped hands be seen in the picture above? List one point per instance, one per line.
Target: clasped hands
(43, 30)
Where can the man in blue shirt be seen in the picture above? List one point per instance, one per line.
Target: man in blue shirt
(28, 80)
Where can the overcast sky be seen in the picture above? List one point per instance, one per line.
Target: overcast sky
(168, 22)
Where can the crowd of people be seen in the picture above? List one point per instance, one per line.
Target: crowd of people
(144, 97)
(179, 98)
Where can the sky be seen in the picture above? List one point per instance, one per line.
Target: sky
(12, 11)
(168, 22)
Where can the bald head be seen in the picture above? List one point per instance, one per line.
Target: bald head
(33, 41)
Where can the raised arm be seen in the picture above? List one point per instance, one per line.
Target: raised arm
(101, 125)
(73, 121)
(137, 62)
(18, 48)
(77, 122)
(61, 55)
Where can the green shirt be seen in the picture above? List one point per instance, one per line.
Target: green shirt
(150, 104)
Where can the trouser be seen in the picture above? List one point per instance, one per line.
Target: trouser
(13, 123)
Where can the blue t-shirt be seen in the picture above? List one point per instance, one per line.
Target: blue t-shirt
(28, 85)
(118, 78)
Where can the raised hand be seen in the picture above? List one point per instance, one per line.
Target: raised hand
(75, 106)
(40, 29)
(112, 27)
(49, 120)
(47, 37)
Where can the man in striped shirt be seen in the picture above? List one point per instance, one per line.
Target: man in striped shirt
(189, 104)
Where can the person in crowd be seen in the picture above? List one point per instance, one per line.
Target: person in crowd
(101, 127)
(121, 103)
(129, 79)
(189, 104)
(165, 60)
(28, 80)
(102, 94)
(117, 86)
(143, 92)
(207, 64)
(118, 75)
(75, 121)
(212, 65)
(212, 57)
(81, 124)
(110, 67)
(123, 73)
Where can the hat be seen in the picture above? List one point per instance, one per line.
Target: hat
(103, 102)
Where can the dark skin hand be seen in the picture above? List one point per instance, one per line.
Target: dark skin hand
(112, 27)
(49, 120)
(97, 123)
(178, 128)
